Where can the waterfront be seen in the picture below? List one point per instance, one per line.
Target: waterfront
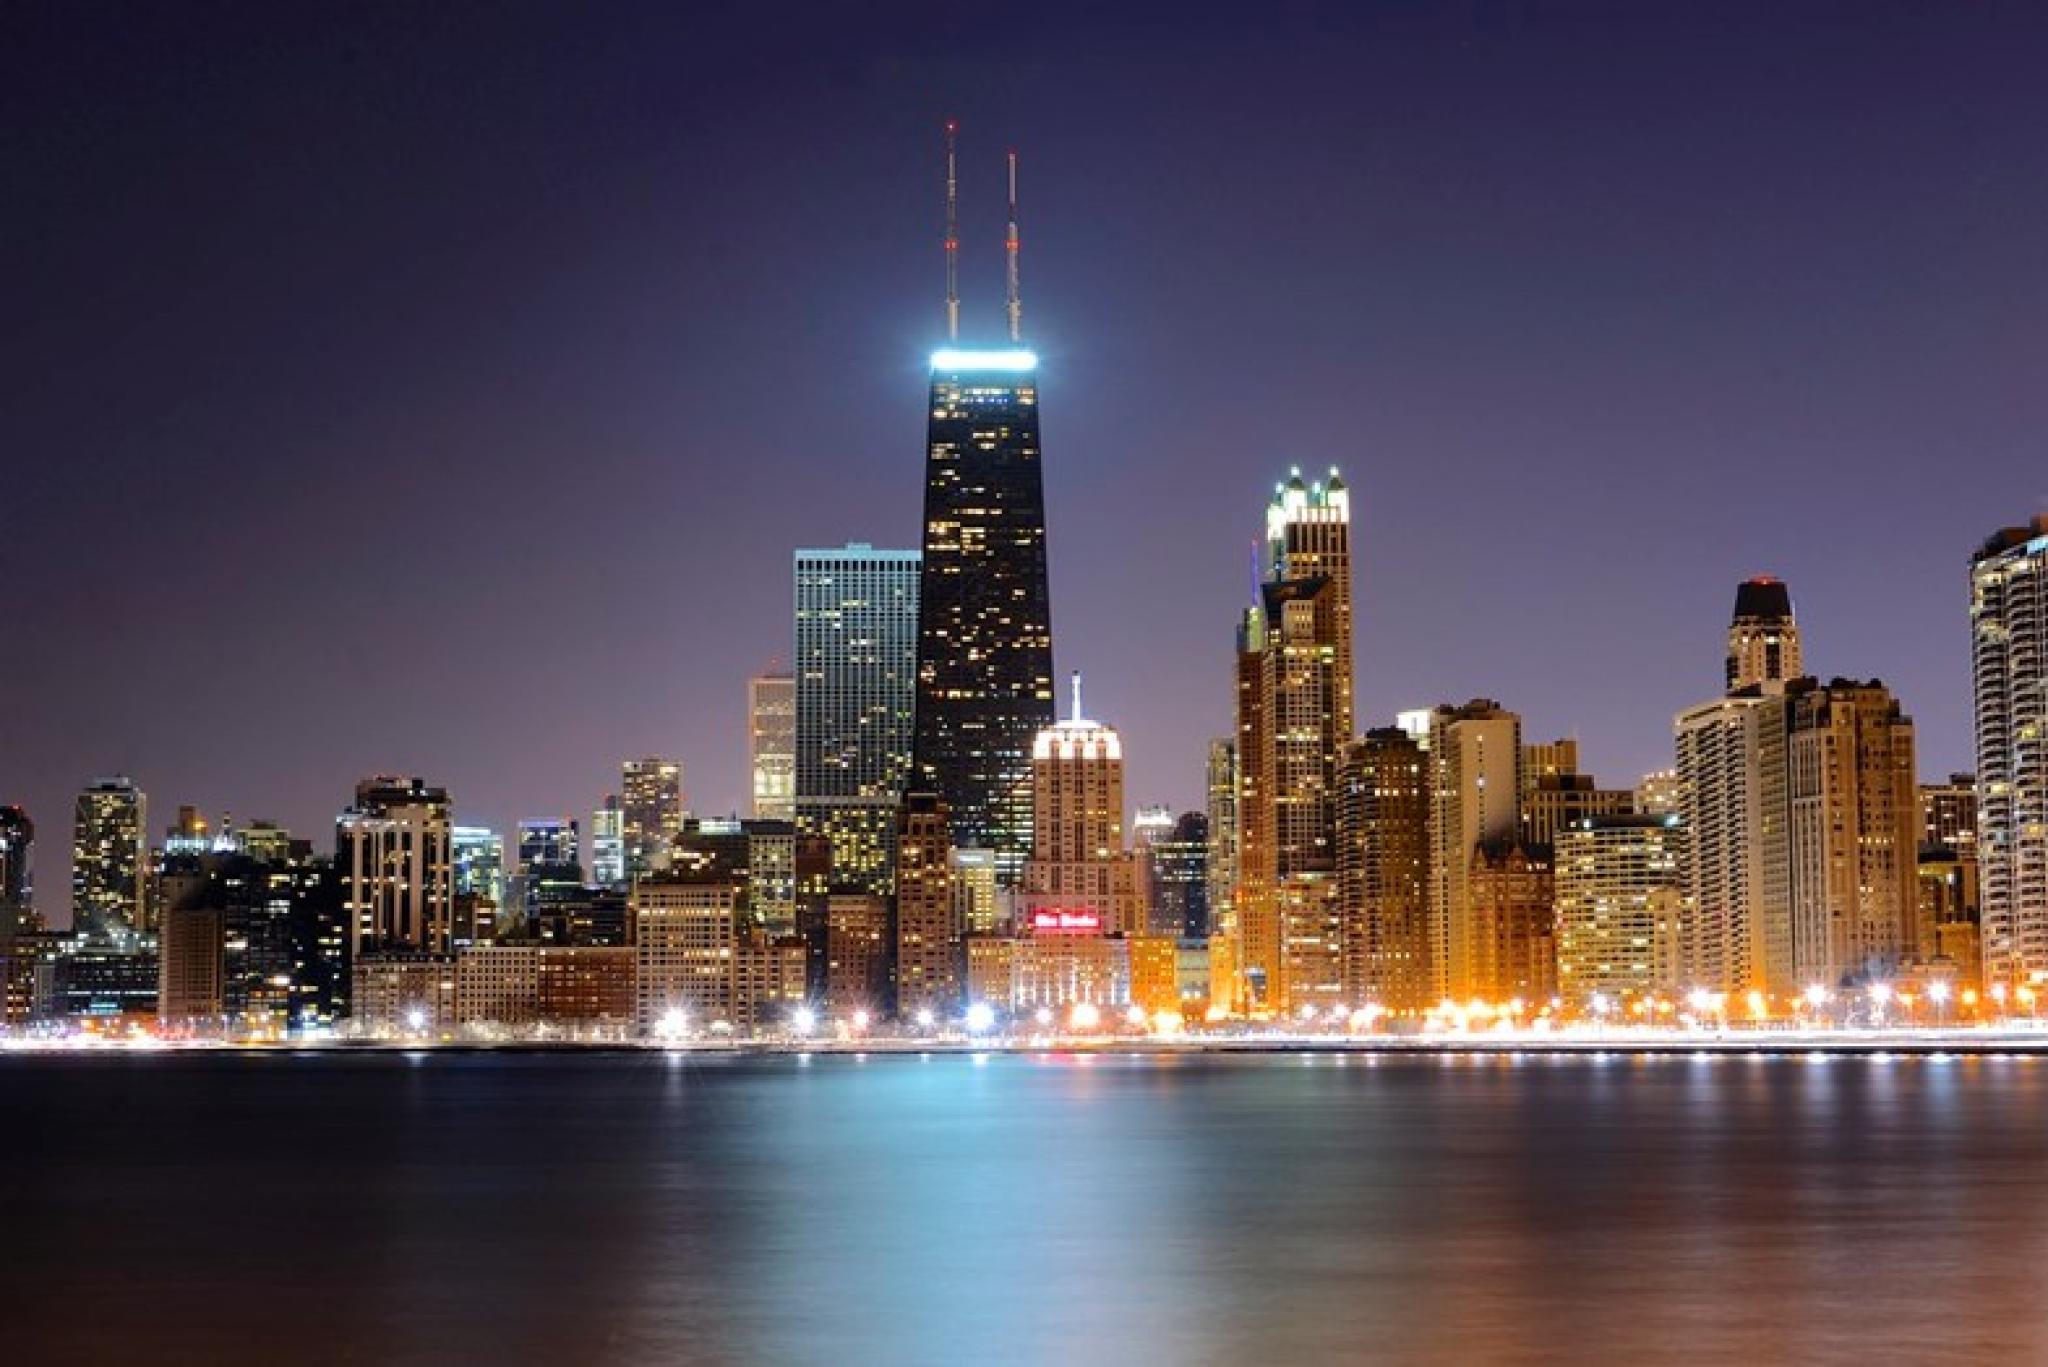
(643, 1206)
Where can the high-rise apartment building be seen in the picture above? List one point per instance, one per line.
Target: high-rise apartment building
(1618, 898)
(931, 959)
(1475, 756)
(1079, 865)
(1293, 722)
(1854, 813)
(1661, 793)
(651, 803)
(1221, 777)
(1178, 879)
(771, 745)
(608, 843)
(2009, 660)
(1763, 637)
(1383, 870)
(857, 954)
(1514, 948)
(1737, 871)
(856, 700)
(17, 845)
(394, 856)
(107, 884)
(1948, 814)
(984, 653)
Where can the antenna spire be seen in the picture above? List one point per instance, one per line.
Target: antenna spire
(952, 238)
(1016, 304)
(1077, 695)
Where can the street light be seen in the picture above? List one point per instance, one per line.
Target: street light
(804, 1020)
(1880, 995)
(981, 1018)
(1937, 992)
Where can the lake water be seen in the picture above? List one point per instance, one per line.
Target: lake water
(636, 1207)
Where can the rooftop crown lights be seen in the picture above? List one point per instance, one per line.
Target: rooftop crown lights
(1014, 361)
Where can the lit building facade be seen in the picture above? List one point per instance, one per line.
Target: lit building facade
(1763, 636)
(651, 801)
(856, 700)
(771, 745)
(1293, 722)
(1383, 870)
(1738, 857)
(1855, 831)
(2009, 668)
(1617, 894)
(1078, 864)
(1475, 755)
(931, 965)
(1948, 814)
(107, 866)
(608, 844)
(17, 849)
(395, 857)
(984, 652)
(1514, 945)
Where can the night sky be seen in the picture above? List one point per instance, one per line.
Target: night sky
(441, 389)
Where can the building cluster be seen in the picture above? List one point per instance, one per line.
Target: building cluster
(930, 844)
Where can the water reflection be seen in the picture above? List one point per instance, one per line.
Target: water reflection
(1046, 1207)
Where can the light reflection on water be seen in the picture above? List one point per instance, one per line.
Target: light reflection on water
(1031, 1208)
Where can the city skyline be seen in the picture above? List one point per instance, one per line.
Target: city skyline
(1889, 606)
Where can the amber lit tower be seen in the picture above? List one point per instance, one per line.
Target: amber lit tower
(1078, 861)
(1293, 725)
(984, 651)
(2009, 668)
(1763, 636)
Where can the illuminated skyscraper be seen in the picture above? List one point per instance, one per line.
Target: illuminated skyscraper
(1617, 907)
(608, 844)
(1293, 723)
(856, 698)
(106, 858)
(1222, 785)
(1475, 756)
(394, 858)
(2009, 636)
(1763, 638)
(1383, 870)
(931, 959)
(1855, 825)
(1079, 867)
(984, 654)
(1738, 855)
(771, 745)
(651, 800)
(478, 856)
(17, 842)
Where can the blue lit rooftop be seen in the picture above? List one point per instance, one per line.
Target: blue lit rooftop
(1011, 360)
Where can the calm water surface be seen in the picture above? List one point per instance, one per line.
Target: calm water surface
(533, 1208)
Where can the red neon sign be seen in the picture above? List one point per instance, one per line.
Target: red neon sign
(1066, 922)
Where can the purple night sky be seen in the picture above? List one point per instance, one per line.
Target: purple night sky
(442, 389)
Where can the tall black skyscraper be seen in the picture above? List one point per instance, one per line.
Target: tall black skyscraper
(984, 651)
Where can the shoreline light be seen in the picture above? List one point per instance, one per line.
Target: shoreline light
(1015, 360)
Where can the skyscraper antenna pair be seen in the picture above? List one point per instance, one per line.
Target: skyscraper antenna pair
(1014, 304)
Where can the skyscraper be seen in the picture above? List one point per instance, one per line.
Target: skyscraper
(771, 745)
(1383, 870)
(1737, 869)
(1222, 785)
(1763, 638)
(931, 960)
(608, 843)
(1617, 907)
(1179, 879)
(856, 700)
(107, 858)
(984, 652)
(1855, 825)
(2009, 637)
(550, 864)
(1079, 866)
(17, 843)
(478, 858)
(651, 800)
(1293, 723)
(1475, 756)
(394, 857)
